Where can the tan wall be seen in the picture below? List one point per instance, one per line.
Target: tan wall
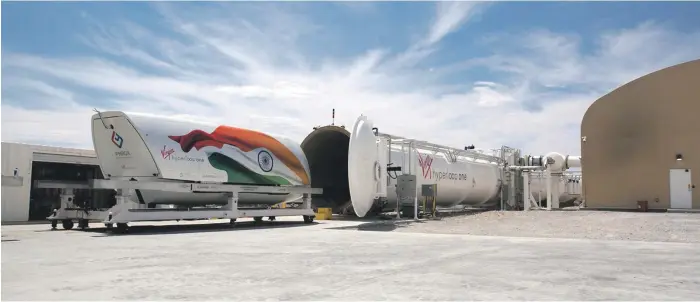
(632, 137)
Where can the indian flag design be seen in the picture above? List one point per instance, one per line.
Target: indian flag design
(247, 156)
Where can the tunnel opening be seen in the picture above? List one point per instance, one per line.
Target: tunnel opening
(326, 151)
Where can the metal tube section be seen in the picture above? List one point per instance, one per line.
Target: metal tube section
(539, 192)
(525, 167)
(526, 191)
(549, 191)
(389, 145)
(415, 208)
(573, 161)
(411, 155)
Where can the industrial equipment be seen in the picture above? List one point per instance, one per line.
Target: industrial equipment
(199, 171)
(429, 196)
(362, 169)
(406, 194)
(366, 172)
(168, 169)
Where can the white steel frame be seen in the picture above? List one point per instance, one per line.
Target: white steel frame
(126, 210)
(408, 146)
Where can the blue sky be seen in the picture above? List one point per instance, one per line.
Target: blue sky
(456, 73)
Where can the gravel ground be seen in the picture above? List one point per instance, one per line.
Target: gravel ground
(665, 227)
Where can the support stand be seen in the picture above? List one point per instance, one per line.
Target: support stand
(529, 201)
(125, 210)
(552, 190)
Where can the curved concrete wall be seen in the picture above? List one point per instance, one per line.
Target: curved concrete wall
(632, 136)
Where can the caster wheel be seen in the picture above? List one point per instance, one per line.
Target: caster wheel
(54, 224)
(232, 221)
(308, 219)
(67, 224)
(257, 219)
(272, 218)
(109, 225)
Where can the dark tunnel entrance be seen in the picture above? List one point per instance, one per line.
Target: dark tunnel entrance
(326, 150)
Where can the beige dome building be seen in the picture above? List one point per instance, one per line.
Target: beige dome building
(642, 142)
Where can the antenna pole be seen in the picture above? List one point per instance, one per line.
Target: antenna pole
(333, 123)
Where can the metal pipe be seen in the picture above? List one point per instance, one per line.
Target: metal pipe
(415, 208)
(549, 190)
(525, 168)
(526, 191)
(99, 114)
(411, 151)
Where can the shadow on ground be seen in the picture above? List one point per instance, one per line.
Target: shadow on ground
(140, 230)
(378, 226)
(388, 223)
(392, 215)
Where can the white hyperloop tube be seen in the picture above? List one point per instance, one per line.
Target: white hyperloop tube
(351, 168)
(461, 176)
(345, 164)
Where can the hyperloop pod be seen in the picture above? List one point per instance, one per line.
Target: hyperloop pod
(147, 148)
(353, 168)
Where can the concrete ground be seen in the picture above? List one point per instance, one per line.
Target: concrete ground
(337, 260)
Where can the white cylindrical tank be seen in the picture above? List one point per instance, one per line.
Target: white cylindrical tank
(460, 180)
(351, 169)
(149, 148)
(538, 186)
(569, 186)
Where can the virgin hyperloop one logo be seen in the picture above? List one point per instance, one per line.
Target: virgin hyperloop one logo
(167, 153)
(426, 165)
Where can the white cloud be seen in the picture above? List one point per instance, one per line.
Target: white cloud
(221, 66)
(450, 15)
(66, 127)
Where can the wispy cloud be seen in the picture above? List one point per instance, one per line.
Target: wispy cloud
(234, 65)
(450, 15)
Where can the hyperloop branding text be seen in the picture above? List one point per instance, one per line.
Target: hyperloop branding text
(448, 175)
(426, 164)
(186, 158)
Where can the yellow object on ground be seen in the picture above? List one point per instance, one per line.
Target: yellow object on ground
(324, 214)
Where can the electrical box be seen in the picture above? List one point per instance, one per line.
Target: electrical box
(429, 200)
(406, 186)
